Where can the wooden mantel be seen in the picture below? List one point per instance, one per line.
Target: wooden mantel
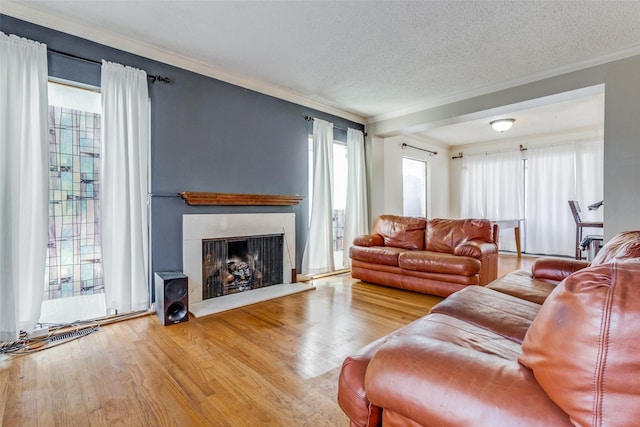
(195, 198)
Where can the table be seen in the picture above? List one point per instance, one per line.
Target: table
(511, 223)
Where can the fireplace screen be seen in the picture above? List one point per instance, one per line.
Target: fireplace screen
(239, 264)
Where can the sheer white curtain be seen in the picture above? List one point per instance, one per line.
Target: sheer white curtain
(551, 184)
(492, 187)
(24, 183)
(590, 179)
(125, 138)
(557, 174)
(318, 253)
(473, 201)
(356, 220)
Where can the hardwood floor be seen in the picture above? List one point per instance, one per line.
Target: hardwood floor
(509, 262)
(274, 363)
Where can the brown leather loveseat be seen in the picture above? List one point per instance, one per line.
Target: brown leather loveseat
(435, 256)
(523, 350)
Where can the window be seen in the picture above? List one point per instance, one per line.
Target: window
(339, 196)
(310, 146)
(414, 187)
(73, 263)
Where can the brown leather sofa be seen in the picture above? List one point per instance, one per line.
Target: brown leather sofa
(523, 350)
(436, 256)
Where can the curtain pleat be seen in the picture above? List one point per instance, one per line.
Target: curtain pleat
(24, 183)
(318, 253)
(551, 184)
(557, 174)
(356, 220)
(492, 188)
(124, 222)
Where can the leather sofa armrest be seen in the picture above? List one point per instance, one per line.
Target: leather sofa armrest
(433, 382)
(369, 240)
(556, 269)
(476, 249)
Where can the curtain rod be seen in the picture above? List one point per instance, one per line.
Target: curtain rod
(310, 119)
(69, 55)
(431, 153)
(460, 156)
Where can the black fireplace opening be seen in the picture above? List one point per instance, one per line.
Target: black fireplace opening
(239, 264)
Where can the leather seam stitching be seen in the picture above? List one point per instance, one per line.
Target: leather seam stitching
(603, 350)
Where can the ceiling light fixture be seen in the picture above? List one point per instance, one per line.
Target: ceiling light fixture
(502, 125)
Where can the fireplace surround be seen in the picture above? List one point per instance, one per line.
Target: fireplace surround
(197, 228)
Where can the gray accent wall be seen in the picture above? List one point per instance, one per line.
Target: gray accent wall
(206, 135)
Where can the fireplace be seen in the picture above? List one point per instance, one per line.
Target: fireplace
(240, 264)
(226, 254)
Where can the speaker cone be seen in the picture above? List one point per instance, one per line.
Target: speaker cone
(176, 311)
(175, 290)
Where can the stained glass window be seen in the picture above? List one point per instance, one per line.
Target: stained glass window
(74, 264)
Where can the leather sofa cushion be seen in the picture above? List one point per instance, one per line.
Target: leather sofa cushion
(624, 245)
(584, 344)
(437, 382)
(435, 262)
(444, 235)
(503, 314)
(352, 396)
(401, 231)
(520, 284)
(376, 254)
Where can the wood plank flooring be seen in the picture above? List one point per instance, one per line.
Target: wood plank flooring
(270, 364)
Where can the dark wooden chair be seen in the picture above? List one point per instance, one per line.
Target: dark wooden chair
(580, 225)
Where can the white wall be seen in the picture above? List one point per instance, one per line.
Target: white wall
(386, 175)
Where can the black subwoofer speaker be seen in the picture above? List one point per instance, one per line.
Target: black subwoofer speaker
(172, 297)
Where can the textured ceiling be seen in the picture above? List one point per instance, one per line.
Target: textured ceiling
(373, 59)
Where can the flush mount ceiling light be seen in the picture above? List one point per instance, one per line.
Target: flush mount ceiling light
(502, 125)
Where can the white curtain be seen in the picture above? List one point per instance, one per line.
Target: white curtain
(318, 253)
(472, 188)
(557, 174)
(590, 179)
(125, 139)
(492, 187)
(24, 183)
(356, 221)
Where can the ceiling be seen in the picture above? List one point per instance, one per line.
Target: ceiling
(365, 60)
(578, 112)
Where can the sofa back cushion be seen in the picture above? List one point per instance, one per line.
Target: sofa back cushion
(444, 235)
(401, 231)
(622, 246)
(584, 345)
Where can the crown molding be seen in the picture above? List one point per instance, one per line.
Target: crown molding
(117, 41)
